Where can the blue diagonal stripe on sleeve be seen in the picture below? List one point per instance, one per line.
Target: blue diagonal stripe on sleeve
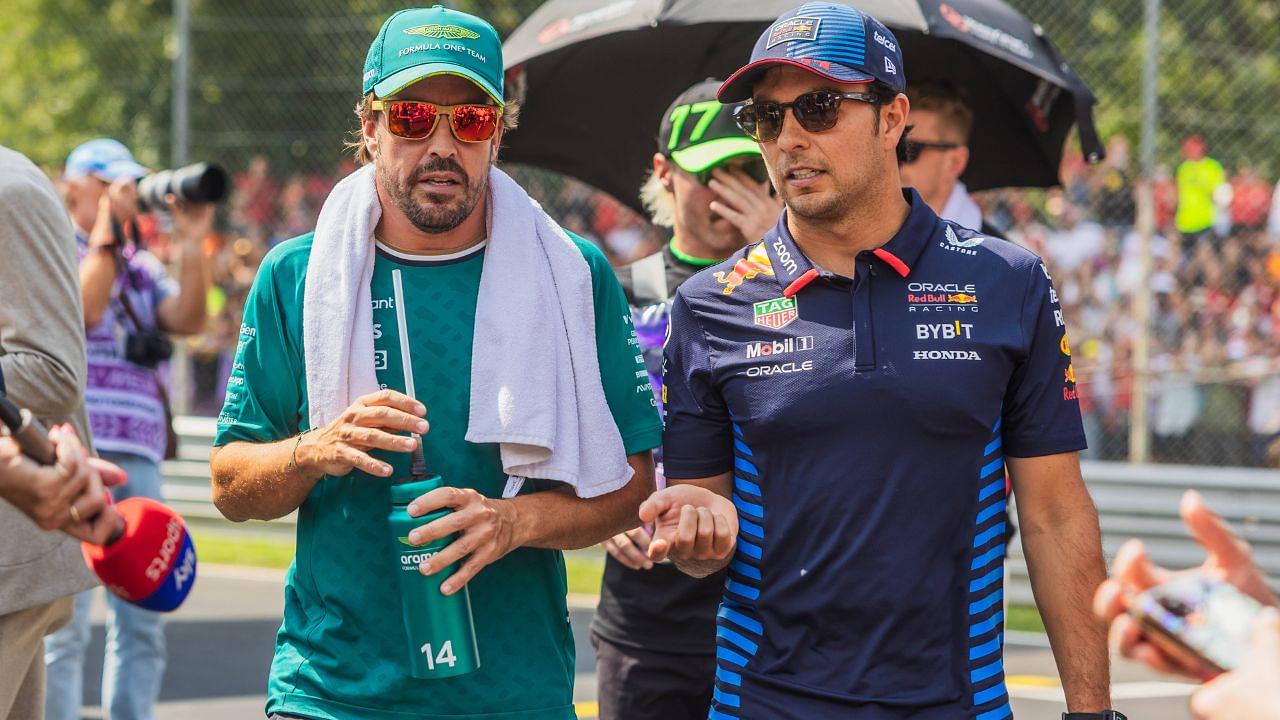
(986, 648)
(986, 626)
(750, 572)
(977, 675)
(745, 485)
(737, 429)
(745, 465)
(728, 677)
(992, 446)
(986, 603)
(986, 580)
(991, 467)
(726, 698)
(742, 447)
(1001, 712)
(745, 591)
(991, 511)
(729, 656)
(988, 535)
(737, 638)
(991, 489)
(994, 554)
(747, 527)
(741, 620)
(750, 508)
(985, 696)
(750, 550)
(717, 715)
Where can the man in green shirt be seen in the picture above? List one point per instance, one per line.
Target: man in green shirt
(340, 651)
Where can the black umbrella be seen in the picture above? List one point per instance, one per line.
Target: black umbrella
(595, 77)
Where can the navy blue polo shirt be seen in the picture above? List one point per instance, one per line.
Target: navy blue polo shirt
(866, 421)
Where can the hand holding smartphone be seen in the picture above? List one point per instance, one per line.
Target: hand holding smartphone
(1203, 622)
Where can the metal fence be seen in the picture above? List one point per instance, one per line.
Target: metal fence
(1167, 268)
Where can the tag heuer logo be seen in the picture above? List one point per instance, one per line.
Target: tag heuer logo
(776, 313)
(442, 32)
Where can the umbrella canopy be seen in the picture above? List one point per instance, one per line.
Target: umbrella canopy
(595, 77)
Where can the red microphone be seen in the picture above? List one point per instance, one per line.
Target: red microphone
(149, 560)
(153, 563)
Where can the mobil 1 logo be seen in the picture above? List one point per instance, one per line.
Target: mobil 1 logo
(785, 346)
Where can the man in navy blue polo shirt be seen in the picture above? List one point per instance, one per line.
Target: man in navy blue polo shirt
(842, 401)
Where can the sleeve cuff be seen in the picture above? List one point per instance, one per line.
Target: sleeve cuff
(678, 470)
(642, 439)
(1040, 448)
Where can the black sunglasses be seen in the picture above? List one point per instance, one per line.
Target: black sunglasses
(915, 148)
(815, 111)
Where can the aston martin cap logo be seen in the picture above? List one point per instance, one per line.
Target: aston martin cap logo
(442, 32)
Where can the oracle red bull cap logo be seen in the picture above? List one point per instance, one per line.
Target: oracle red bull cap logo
(755, 263)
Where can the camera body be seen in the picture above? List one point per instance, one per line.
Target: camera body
(193, 184)
(148, 347)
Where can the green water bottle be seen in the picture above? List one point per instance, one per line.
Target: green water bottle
(442, 634)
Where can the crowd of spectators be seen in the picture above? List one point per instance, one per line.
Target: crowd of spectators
(1214, 344)
(1215, 340)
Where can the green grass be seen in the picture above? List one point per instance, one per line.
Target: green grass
(585, 568)
(1025, 618)
(232, 550)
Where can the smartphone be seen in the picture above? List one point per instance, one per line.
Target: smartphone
(1204, 622)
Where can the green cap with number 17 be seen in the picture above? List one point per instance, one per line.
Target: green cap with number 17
(697, 132)
(420, 42)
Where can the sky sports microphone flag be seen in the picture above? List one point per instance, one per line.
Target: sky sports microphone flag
(153, 564)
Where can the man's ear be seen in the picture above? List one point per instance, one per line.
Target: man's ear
(960, 160)
(369, 134)
(662, 171)
(893, 116)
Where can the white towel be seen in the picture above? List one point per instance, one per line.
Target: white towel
(337, 310)
(535, 374)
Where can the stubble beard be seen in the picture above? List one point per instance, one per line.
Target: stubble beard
(435, 213)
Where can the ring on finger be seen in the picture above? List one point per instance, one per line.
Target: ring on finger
(75, 514)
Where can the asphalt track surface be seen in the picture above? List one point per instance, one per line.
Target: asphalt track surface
(220, 646)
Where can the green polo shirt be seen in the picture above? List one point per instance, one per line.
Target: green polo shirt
(340, 652)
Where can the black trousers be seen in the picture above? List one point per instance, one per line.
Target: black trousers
(637, 684)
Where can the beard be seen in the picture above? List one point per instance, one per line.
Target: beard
(432, 212)
(814, 206)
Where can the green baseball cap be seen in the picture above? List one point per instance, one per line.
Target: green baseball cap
(698, 133)
(421, 42)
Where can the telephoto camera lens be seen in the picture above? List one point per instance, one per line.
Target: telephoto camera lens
(198, 183)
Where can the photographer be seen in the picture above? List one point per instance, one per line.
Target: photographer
(131, 304)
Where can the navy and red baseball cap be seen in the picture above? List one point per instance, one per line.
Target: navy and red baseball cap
(834, 41)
